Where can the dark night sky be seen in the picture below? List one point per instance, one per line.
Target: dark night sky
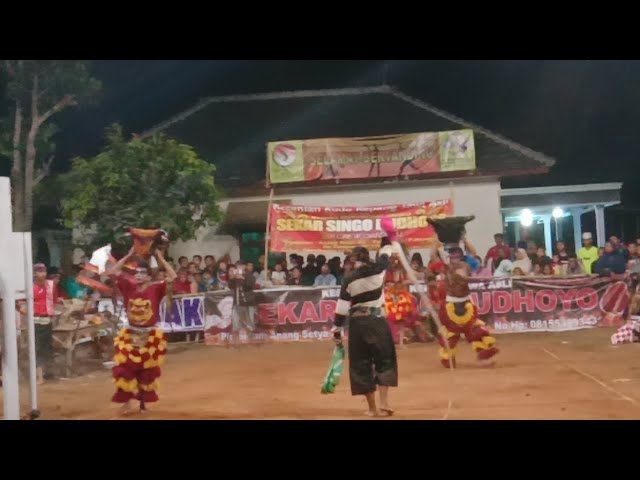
(583, 113)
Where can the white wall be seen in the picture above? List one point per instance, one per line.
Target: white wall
(471, 197)
(207, 243)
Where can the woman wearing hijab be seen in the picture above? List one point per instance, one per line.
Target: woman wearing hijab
(523, 262)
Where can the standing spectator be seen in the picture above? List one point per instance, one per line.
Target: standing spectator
(251, 269)
(537, 269)
(45, 298)
(320, 260)
(72, 287)
(279, 276)
(222, 275)
(532, 251)
(325, 279)
(310, 271)
(561, 251)
(197, 260)
(612, 262)
(243, 283)
(347, 268)
(183, 262)
(260, 266)
(296, 277)
(209, 261)
(499, 250)
(588, 254)
(547, 269)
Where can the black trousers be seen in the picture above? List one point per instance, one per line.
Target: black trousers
(44, 345)
(372, 355)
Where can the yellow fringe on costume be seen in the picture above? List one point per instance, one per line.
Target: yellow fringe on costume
(444, 353)
(127, 385)
(485, 344)
(155, 385)
(460, 319)
(151, 354)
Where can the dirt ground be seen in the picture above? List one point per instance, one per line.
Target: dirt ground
(571, 375)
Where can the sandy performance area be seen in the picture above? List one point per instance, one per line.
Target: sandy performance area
(572, 375)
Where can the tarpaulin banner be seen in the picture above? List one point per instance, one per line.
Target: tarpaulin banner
(537, 304)
(370, 157)
(304, 228)
(507, 305)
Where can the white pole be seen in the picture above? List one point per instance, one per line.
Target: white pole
(28, 276)
(10, 384)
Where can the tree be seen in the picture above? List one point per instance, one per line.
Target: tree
(37, 90)
(152, 183)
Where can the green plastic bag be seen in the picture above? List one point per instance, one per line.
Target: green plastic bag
(335, 370)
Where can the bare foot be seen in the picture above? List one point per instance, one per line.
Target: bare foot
(125, 409)
(488, 363)
(371, 413)
(386, 411)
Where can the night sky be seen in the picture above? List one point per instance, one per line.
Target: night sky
(583, 113)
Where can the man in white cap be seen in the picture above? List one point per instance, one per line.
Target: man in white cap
(588, 254)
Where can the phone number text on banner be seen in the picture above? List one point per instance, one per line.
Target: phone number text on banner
(300, 228)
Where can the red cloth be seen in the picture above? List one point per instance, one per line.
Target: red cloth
(496, 252)
(180, 288)
(143, 306)
(44, 299)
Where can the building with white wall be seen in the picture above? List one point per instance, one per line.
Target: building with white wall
(232, 132)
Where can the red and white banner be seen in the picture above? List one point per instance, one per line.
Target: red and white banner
(303, 228)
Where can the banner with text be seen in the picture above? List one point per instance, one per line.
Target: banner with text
(550, 303)
(507, 305)
(303, 228)
(370, 157)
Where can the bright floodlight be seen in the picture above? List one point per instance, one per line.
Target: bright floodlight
(557, 212)
(526, 217)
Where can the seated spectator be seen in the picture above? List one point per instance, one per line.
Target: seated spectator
(160, 275)
(296, 277)
(547, 270)
(542, 257)
(483, 271)
(279, 276)
(197, 261)
(326, 278)
(203, 286)
(612, 262)
(209, 279)
(182, 285)
(503, 268)
(559, 268)
(183, 262)
(73, 288)
(264, 278)
(517, 272)
(574, 267)
(537, 270)
(523, 262)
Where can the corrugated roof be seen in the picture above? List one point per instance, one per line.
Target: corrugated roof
(232, 132)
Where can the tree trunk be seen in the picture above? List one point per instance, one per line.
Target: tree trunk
(17, 179)
(30, 159)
